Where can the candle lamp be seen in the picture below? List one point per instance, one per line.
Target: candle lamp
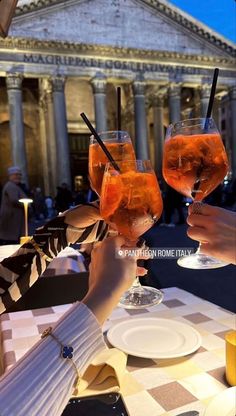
(26, 202)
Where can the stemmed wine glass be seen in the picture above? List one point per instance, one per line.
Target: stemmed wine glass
(194, 164)
(131, 203)
(119, 145)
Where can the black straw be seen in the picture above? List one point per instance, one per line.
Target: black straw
(100, 142)
(212, 97)
(118, 96)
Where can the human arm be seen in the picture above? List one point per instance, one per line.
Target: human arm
(114, 286)
(215, 228)
(13, 193)
(41, 383)
(21, 270)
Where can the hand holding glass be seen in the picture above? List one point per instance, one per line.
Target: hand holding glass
(131, 203)
(194, 164)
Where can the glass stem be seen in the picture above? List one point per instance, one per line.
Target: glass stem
(136, 286)
(198, 249)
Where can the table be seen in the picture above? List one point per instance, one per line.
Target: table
(67, 261)
(168, 387)
(8, 250)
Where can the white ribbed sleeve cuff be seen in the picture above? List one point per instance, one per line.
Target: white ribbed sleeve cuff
(41, 383)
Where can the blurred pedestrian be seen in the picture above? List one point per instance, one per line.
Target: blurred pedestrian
(50, 206)
(91, 195)
(39, 205)
(64, 199)
(12, 211)
(173, 201)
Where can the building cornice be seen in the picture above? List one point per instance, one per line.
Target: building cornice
(166, 9)
(191, 24)
(56, 47)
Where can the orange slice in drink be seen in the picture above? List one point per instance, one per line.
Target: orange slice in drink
(111, 195)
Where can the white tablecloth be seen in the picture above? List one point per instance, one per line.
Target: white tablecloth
(168, 387)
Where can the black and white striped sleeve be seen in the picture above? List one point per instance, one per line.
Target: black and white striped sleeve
(21, 270)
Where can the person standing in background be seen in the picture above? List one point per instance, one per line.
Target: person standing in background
(63, 200)
(12, 211)
(50, 207)
(39, 205)
(173, 201)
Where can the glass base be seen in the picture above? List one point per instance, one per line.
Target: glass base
(141, 297)
(200, 261)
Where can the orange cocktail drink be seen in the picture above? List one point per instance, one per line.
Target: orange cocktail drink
(130, 200)
(194, 165)
(119, 145)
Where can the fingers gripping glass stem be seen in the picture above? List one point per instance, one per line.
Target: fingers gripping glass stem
(200, 260)
(126, 206)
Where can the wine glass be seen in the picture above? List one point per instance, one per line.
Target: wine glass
(194, 164)
(131, 203)
(118, 143)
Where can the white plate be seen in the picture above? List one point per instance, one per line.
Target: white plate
(224, 404)
(154, 338)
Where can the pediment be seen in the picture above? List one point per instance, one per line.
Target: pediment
(139, 24)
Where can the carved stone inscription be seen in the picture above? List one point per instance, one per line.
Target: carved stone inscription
(110, 64)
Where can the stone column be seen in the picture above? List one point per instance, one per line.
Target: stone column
(232, 98)
(174, 102)
(196, 113)
(43, 145)
(99, 85)
(60, 121)
(51, 138)
(18, 150)
(141, 144)
(158, 128)
(205, 91)
(216, 111)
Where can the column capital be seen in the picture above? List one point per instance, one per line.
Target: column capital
(139, 87)
(14, 81)
(99, 83)
(42, 103)
(57, 83)
(205, 90)
(174, 89)
(157, 100)
(49, 91)
(232, 92)
(45, 92)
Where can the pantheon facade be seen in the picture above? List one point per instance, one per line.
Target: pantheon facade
(62, 58)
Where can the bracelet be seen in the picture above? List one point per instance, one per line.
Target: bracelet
(40, 251)
(66, 352)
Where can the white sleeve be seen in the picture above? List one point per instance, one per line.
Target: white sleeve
(41, 383)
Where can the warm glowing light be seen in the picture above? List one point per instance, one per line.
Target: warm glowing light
(26, 200)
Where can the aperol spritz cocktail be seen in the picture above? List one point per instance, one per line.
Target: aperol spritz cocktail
(118, 143)
(194, 164)
(131, 203)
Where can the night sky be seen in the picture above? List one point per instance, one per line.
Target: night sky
(219, 15)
